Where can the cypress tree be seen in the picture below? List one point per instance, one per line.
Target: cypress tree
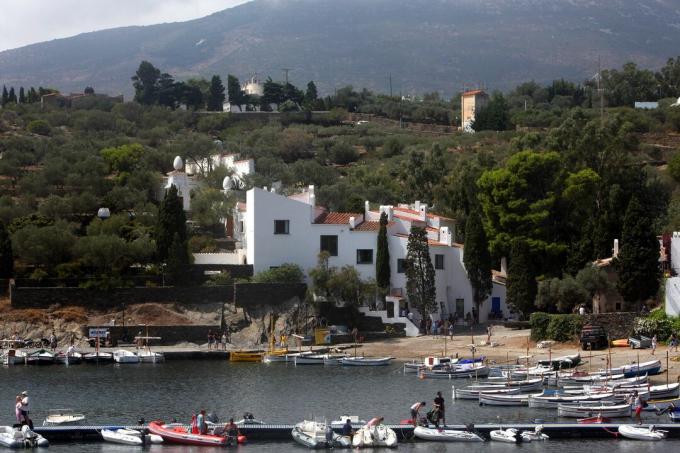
(6, 255)
(216, 95)
(236, 95)
(22, 96)
(638, 260)
(178, 260)
(12, 97)
(521, 284)
(382, 259)
(171, 222)
(477, 259)
(420, 285)
(33, 96)
(5, 96)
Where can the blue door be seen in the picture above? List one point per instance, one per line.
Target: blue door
(495, 304)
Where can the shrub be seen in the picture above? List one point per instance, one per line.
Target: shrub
(657, 323)
(564, 327)
(40, 127)
(221, 279)
(286, 273)
(539, 325)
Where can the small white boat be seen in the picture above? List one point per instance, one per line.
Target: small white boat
(313, 434)
(148, 356)
(473, 394)
(375, 436)
(582, 411)
(58, 417)
(72, 358)
(365, 361)
(333, 359)
(640, 433)
(488, 399)
(14, 357)
(129, 437)
(650, 368)
(446, 435)
(536, 434)
(21, 438)
(551, 401)
(98, 357)
(40, 357)
(656, 392)
(467, 371)
(567, 361)
(505, 435)
(125, 356)
(428, 363)
(309, 359)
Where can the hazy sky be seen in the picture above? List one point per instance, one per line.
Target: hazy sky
(25, 22)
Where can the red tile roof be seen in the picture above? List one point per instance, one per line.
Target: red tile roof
(368, 226)
(336, 218)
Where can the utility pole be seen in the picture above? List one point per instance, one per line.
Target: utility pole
(286, 70)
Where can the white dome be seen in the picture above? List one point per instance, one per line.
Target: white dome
(227, 183)
(103, 213)
(177, 163)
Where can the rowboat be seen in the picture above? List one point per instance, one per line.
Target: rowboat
(487, 399)
(550, 401)
(557, 363)
(181, 435)
(581, 411)
(59, 417)
(429, 363)
(40, 357)
(333, 359)
(536, 434)
(148, 356)
(594, 420)
(640, 433)
(473, 394)
(446, 435)
(655, 405)
(650, 368)
(314, 434)
(125, 356)
(656, 392)
(477, 370)
(365, 361)
(310, 359)
(245, 356)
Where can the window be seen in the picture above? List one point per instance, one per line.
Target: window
(439, 261)
(364, 256)
(240, 226)
(618, 306)
(401, 266)
(281, 226)
(329, 244)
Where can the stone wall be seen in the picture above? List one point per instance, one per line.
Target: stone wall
(251, 295)
(618, 325)
(169, 334)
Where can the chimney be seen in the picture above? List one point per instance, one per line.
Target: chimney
(352, 222)
(417, 205)
(367, 207)
(616, 248)
(423, 212)
(265, 189)
(310, 190)
(312, 202)
(504, 267)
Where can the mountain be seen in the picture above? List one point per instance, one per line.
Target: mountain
(425, 44)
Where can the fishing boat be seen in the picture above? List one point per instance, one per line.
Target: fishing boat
(309, 359)
(125, 356)
(181, 435)
(536, 434)
(40, 357)
(61, 417)
(446, 435)
(476, 370)
(98, 357)
(333, 359)
(656, 405)
(365, 361)
(650, 368)
(551, 400)
(640, 433)
(146, 355)
(375, 436)
(429, 363)
(245, 356)
(656, 392)
(558, 363)
(22, 437)
(14, 357)
(129, 437)
(488, 399)
(72, 358)
(594, 420)
(473, 394)
(313, 434)
(582, 411)
(505, 435)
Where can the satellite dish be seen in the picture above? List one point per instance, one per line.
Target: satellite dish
(103, 213)
(177, 163)
(227, 183)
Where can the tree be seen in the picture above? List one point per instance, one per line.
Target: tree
(674, 167)
(494, 116)
(420, 284)
(209, 206)
(382, 258)
(311, 95)
(22, 96)
(342, 153)
(12, 98)
(145, 82)
(171, 222)
(521, 283)
(669, 78)
(216, 95)
(273, 93)
(6, 255)
(178, 260)
(477, 259)
(5, 96)
(234, 91)
(190, 95)
(123, 158)
(638, 260)
(285, 273)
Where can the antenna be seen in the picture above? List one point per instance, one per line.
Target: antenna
(286, 70)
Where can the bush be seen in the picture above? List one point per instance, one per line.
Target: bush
(221, 279)
(564, 327)
(539, 325)
(343, 153)
(657, 323)
(286, 273)
(39, 127)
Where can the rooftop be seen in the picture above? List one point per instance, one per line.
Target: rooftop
(336, 218)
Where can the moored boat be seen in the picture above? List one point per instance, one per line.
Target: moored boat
(60, 417)
(557, 363)
(504, 435)
(649, 368)
(98, 357)
(314, 434)
(22, 437)
(365, 361)
(245, 356)
(656, 405)
(72, 358)
(477, 370)
(656, 392)
(148, 356)
(640, 433)
(547, 400)
(473, 394)
(486, 399)
(40, 357)
(309, 359)
(375, 436)
(536, 434)
(14, 357)
(594, 420)
(583, 411)
(180, 435)
(122, 436)
(125, 356)
(446, 435)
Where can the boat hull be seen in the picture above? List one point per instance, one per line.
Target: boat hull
(364, 361)
(614, 411)
(640, 433)
(179, 435)
(239, 356)
(445, 435)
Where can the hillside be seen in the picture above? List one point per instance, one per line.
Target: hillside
(425, 44)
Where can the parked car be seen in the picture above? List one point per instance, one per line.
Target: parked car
(640, 342)
(593, 337)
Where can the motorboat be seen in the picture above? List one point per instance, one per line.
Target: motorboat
(470, 371)
(181, 435)
(640, 433)
(487, 399)
(536, 434)
(245, 356)
(149, 356)
(14, 357)
(551, 401)
(558, 363)
(22, 437)
(40, 357)
(375, 436)
(509, 435)
(128, 437)
(98, 357)
(125, 356)
(249, 419)
(582, 411)
(446, 435)
(72, 358)
(650, 368)
(428, 363)
(469, 393)
(314, 434)
(365, 361)
(60, 417)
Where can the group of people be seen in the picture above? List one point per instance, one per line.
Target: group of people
(21, 409)
(216, 341)
(199, 425)
(434, 416)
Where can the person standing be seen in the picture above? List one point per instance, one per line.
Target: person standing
(451, 330)
(211, 338)
(53, 341)
(25, 408)
(441, 410)
(653, 344)
(17, 411)
(674, 342)
(637, 404)
(224, 340)
(488, 334)
(415, 411)
(200, 421)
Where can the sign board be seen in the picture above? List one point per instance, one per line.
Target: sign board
(98, 332)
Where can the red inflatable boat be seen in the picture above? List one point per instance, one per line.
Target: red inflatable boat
(180, 435)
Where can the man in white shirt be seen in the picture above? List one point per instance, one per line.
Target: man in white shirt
(24, 408)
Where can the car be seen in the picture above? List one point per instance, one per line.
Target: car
(593, 337)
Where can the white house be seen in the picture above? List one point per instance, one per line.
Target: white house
(240, 167)
(279, 229)
(182, 181)
(673, 283)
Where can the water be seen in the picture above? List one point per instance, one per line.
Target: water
(277, 393)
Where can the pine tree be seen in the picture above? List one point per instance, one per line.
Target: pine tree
(5, 96)
(178, 260)
(638, 260)
(6, 255)
(420, 284)
(12, 97)
(216, 95)
(521, 284)
(477, 259)
(382, 259)
(22, 96)
(236, 95)
(171, 222)
(311, 95)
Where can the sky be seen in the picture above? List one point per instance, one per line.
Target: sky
(25, 22)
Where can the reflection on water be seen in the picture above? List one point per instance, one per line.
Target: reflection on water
(275, 392)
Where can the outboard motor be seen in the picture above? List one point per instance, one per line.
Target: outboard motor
(248, 416)
(212, 418)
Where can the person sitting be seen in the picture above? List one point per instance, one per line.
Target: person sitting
(231, 430)
(347, 428)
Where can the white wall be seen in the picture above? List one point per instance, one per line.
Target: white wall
(673, 296)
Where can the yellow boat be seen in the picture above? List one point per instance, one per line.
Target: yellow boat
(245, 356)
(622, 343)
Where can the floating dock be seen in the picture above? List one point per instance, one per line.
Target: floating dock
(281, 432)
